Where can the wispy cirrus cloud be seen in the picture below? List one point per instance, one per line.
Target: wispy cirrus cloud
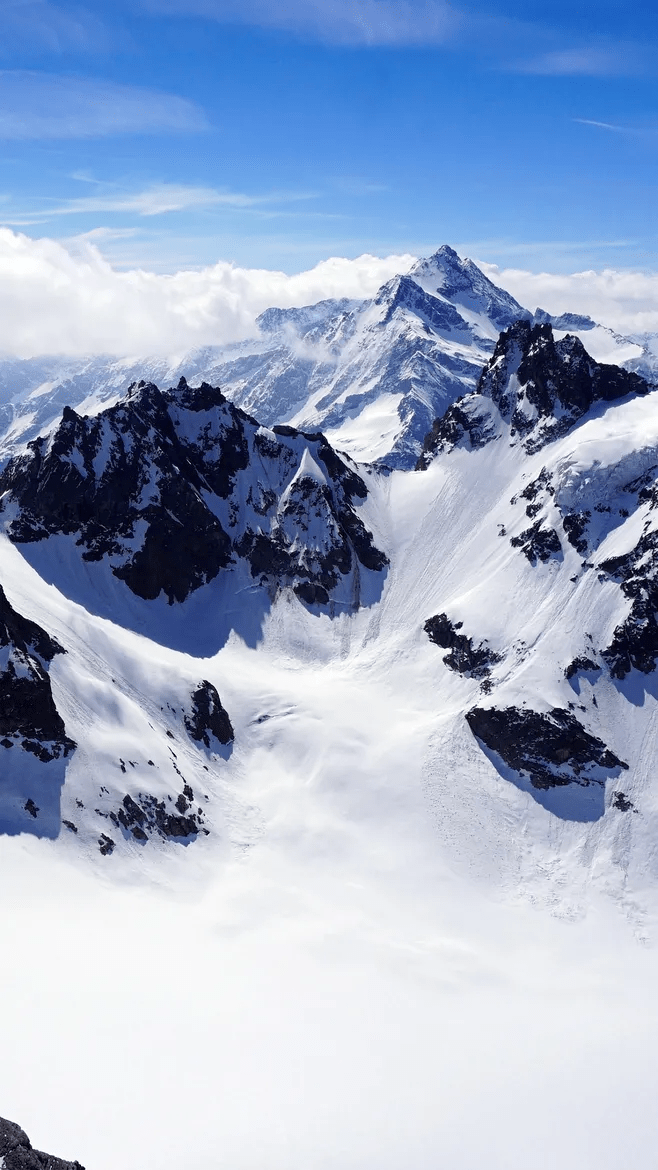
(47, 105)
(522, 46)
(645, 132)
(622, 60)
(44, 27)
(158, 199)
(342, 22)
(603, 125)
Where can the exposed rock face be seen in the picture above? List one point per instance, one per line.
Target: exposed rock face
(635, 640)
(542, 387)
(533, 389)
(143, 816)
(469, 423)
(28, 715)
(552, 748)
(464, 657)
(16, 1152)
(170, 489)
(537, 543)
(208, 718)
(581, 665)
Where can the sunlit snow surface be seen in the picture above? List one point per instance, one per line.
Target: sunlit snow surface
(385, 955)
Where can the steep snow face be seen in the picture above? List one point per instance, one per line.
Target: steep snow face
(581, 513)
(33, 738)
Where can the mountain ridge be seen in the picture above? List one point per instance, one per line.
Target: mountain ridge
(373, 374)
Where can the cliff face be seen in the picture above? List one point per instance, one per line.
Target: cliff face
(172, 488)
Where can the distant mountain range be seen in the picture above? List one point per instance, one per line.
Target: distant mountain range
(372, 375)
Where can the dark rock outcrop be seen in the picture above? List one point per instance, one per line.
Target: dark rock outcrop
(16, 1152)
(208, 717)
(542, 386)
(538, 389)
(172, 488)
(575, 529)
(537, 543)
(143, 816)
(635, 640)
(466, 423)
(552, 748)
(581, 665)
(28, 715)
(464, 657)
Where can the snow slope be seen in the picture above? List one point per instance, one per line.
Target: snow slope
(390, 948)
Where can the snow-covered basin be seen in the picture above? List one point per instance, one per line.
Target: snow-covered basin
(385, 956)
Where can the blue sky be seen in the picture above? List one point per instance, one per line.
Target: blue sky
(174, 133)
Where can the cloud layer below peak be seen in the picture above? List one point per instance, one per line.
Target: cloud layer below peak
(622, 299)
(58, 299)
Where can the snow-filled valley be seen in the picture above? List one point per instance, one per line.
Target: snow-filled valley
(328, 791)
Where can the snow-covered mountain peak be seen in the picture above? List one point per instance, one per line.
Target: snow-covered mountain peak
(308, 469)
(446, 275)
(372, 374)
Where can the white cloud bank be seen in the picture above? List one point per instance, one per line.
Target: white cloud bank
(624, 300)
(55, 299)
(68, 299)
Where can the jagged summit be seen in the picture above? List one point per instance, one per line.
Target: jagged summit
(167, 489)
(465, 285)
(533, 389)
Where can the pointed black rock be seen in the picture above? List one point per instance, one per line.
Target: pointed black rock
(475, 661)
(542, 386)
(208, 717)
